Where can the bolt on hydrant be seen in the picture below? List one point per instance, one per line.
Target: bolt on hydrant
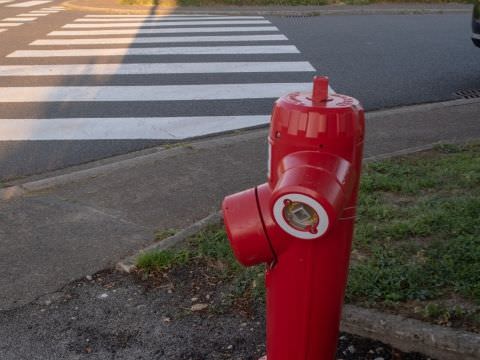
(300, 223)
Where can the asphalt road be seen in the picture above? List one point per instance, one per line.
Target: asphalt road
(385, 61)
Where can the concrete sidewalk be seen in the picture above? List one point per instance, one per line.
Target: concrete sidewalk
(167, 7)
(78, 223)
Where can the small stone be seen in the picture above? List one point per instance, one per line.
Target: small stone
(207, 296)
(89, 277)
(166, 319)
(199, 307)
(194, 299)
(351, 349)
(229, 347)
(103, 296)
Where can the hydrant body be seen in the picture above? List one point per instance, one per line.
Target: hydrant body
(300, 223)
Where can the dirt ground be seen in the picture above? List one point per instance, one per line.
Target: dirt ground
(176, 316)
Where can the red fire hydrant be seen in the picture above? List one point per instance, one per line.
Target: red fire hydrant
(300, 223)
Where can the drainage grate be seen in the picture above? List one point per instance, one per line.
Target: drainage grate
(468, 94)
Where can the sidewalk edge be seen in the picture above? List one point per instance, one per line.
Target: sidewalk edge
(127, 265)
(264, 11)
(160, 152)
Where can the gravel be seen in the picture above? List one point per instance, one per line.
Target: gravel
(117, 316)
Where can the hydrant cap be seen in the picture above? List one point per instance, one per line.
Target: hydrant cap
(320, 89)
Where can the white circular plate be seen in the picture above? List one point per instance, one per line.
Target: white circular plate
(315, 205)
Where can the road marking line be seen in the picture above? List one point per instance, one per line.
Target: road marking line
(6, 1)
(164, 31)
(123, 128)
(193, 50)
(34, 14)
(149, 93)
(153, 16)
(161, 39)
(2, 30)
(20, 19)
(30, 3)
(163, 24)
(155, 68)
(166, 19)
(12, 24)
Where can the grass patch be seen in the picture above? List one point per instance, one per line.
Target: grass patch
(278, 2)
(416, 248)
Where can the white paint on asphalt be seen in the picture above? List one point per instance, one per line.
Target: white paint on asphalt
(2, 30)
(167, 19)
(167, 128)
(6, 1)
(191, 50)
(155, 68)
(10, 24)
(159, 40)
(20, 19)
(33, 14)
(149, 93)
(150, 16)
(29, 3)
(91, 127)
(163, 31)
(163, 24)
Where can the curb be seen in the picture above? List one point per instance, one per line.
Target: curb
(153, 155)
(127, 265)
(408, 334)
(265, 12)
(405, 334)
(161, 152)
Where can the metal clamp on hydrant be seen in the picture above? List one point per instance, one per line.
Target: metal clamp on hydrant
(300, 223)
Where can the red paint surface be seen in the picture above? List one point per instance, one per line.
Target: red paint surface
(316, 150)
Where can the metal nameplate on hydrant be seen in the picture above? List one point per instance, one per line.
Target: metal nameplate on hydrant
(300, 223)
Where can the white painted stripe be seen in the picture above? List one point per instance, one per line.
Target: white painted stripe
(30, 3)
(164, 31)
(48, 11)
(20, 19)
(168, 128)
(149, 93)
(33, 14)
(2, 30)
(7, 24)
(158, 40)
(6, 1)
(193, 50)
(163, 24)
(167, 19)
(152, 16)
(155, 68)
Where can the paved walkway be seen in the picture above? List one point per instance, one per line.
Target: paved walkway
(92, 219)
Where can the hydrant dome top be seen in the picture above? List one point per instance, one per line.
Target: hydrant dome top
(320, 98)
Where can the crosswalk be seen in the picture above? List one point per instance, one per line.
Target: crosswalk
(29, 3)
(125, 77)
(29, 17)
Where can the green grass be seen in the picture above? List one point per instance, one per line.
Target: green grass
(417, 242)
(280, 2)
